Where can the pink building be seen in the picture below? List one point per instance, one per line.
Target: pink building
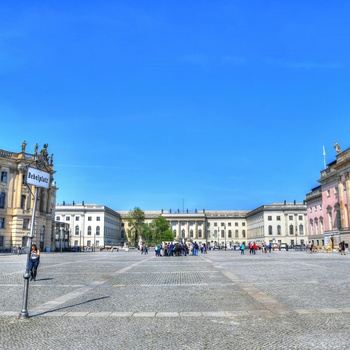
(328, 205)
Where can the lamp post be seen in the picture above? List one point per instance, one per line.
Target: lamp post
(218, 231)
(61, 237)
(37, 178)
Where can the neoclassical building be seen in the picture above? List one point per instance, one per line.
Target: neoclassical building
(328, 204)
(276, 223)
(17, 199)
(88, 225)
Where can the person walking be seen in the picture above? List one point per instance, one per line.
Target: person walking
(242, 248)
(342, 248)
(34, 262)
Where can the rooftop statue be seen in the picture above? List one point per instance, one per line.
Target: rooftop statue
(337, 147)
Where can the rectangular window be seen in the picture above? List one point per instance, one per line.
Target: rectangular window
(278, 218)
(58, 218)
(89, 218)
(290, 217)
(243, 223)
(269, 218)
(336, 190)
(2, 222)
(328, 193)
(77, 218)
(25, 223)
(4, 176)
(76, 243)
(229, 224)
(236, 223)
(97, 218)
(215, 223)
(67, 218)
(300, 217)
(97, 243)
(222, 224)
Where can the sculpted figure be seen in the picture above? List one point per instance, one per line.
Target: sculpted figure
(24, 144)
(337, 147)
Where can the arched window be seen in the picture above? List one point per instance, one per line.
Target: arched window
(77, 230)
(191, 233)
(97, 230)
(182, 233)
(174, 231)
(222, 234)
(229, 234)
(243, 233)
(199, 233)
(279, 232)
(236, 234)
(89, 230)
(2, 200)
(291, 229)
(270, 230)
(301, 229)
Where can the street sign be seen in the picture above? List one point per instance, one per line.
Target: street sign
(38, 178)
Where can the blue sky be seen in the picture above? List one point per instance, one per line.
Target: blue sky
(177, 104)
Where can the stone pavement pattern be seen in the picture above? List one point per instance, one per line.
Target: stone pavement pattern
(221, 300)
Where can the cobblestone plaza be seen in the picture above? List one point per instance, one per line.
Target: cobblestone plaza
(219, 300)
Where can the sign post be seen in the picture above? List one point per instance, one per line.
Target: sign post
(37, 178)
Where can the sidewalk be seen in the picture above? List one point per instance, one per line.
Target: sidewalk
(219, 300)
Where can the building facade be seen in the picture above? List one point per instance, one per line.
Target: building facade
(90, 225)
(328, 205)
(17, 200)
(276, 223)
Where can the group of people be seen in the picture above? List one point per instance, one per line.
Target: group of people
(175, 249)
(253, 247)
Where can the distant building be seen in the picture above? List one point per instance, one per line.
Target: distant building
(276, 223)
(17, 199)
(90, 225)
(315, 216)
(328, 205)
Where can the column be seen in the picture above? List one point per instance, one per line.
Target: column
(347, 184)
(341, 201)
(18, 189)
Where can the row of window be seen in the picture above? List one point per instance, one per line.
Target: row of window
(291, 230)
(89, 231)
(223, 224)
(25, 223)
(290, 217)
(88, 243)
(77, 218)
(336, 190)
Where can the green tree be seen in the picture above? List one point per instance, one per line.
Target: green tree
(160, 228)
(136, 218)
(147, 234)
(167, 236)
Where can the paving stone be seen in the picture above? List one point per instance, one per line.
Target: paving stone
(218, 301)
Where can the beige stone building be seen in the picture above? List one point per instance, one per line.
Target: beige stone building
(17, 199)
(276, 223)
